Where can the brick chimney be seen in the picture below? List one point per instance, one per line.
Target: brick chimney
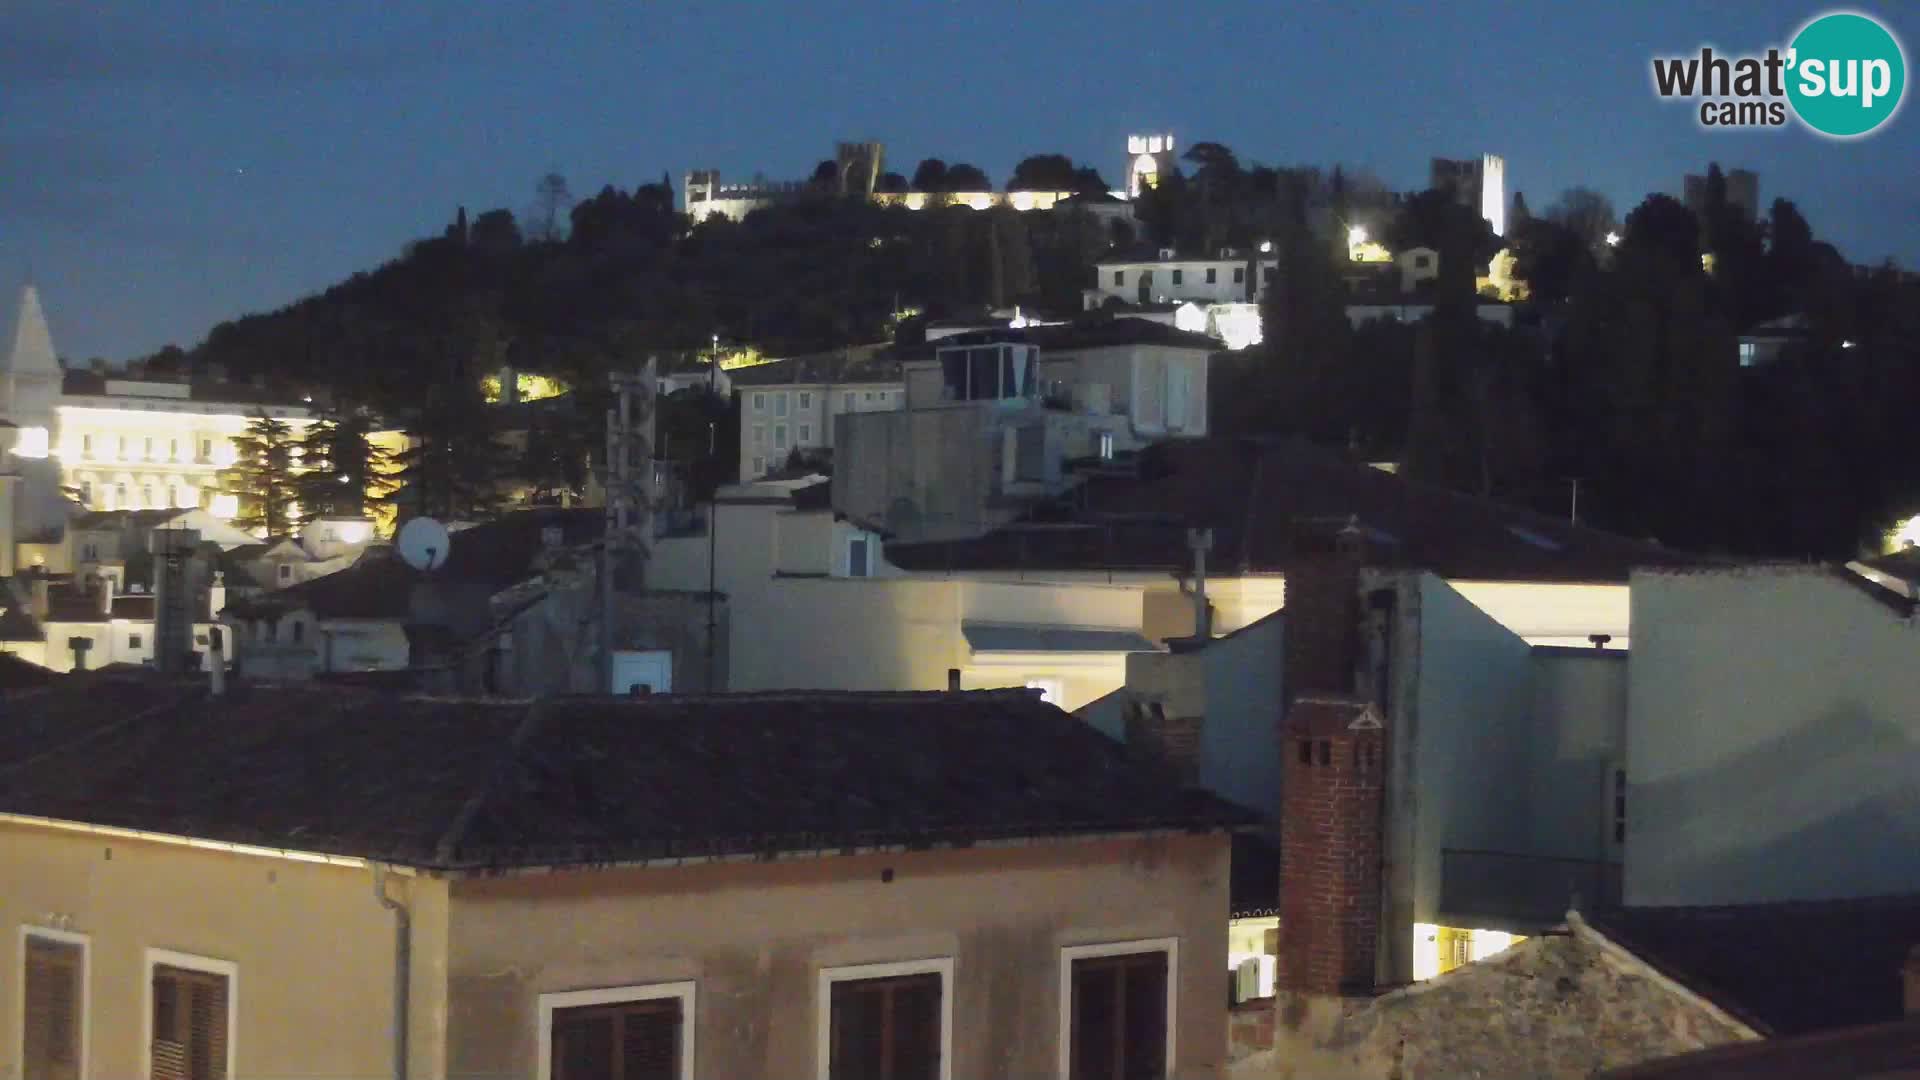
(1333, 761)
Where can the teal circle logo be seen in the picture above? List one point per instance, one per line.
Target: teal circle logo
(1846, 75)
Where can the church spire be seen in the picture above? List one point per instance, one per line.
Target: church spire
(31, 352)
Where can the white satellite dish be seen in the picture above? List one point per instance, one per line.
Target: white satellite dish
(423, 544)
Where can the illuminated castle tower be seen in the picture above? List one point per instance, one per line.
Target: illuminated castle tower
(1149, 157)
(1480, 184)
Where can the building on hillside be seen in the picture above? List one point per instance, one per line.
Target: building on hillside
(1149, 158)
(996, 420)
(1743, 192)
(1218, 296)
(100, 618)
(1765, 343)
(127, 441)
(927, 885)
(1479, 184)
(790, 407)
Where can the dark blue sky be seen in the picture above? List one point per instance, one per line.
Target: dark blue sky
(178, 163)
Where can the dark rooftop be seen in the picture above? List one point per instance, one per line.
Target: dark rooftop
(1785, 969)
(1091, 333)
(1878, 1052)
(18, 674)
(205, 391)
(862, 364)
(459, 785)
(1269, 502)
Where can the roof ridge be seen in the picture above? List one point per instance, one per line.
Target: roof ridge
(463, 819)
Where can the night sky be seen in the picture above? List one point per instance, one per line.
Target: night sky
(179, 163)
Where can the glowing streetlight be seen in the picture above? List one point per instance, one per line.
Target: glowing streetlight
(1356, 235)
(1613, 239)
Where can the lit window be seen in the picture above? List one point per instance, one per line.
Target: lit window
(1749, 352)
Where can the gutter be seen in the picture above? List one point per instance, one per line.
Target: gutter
(288, 854)
(402, 968)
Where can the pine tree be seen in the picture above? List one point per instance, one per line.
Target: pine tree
(341, 468)
(262, 476)
(454, 467)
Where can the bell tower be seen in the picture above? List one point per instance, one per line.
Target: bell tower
(1149, 158)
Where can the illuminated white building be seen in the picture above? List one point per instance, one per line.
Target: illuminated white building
(1149, 157)
(1479, 183)
(129, 443)
(1218, 296)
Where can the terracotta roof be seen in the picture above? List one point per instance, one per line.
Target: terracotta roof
(1269, 502)
(452, 785)
(1785, 969)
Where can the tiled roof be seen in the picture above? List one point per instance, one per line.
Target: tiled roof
(495, 554)
(101, 520)
(206, 391)
(1786, 969)
(829, 367)
(1878, 1052)
(18, 674)
(1267, 503)
(453, 785)
(1092, 333)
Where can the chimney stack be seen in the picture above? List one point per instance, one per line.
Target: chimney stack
(1333, 760)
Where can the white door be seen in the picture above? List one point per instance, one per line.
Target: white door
(652, 669)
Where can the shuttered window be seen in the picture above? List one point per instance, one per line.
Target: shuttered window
(1119, 1018)
(628, 1040)
(51, 1049)
(886, 1029)
(189, 1024)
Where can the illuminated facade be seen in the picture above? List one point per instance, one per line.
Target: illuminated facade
(126, 443)
(1149, 157)
(1480, 183)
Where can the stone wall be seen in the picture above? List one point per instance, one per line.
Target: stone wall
(1562, 1005)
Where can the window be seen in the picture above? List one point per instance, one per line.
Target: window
(779, 436)
(780, 404)
(53, 1033)
(1421, 262)
(299, 632)
(849, 401)
(1119, 277)
(273, 631)
(806, 433)
(190, 1016)
(285, 571)
(206, 449)
(858, 559)
(886, 1020)
(759, 466)
(1213, 275)
(173, 449)
(1268, 275)
(759, 435)
(1619, 806)
(134, 641)
(1116, 1003)
(1178, 276)
(806, 400)
(1239, 275)
(147, 447)
(759, 403)
(1146, 277)
(90, 552)
(1106, 446)
(619, 1033)
(869, 396)
(1749, 352)
(86, 445)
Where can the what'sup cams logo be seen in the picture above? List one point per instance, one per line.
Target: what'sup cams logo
(1843, 76)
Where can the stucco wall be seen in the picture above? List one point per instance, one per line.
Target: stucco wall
(753, 936)
(315, 950)
(1772, 740)
(1579, 734)
(836, 633)
(1240, 745)
(1474, 691)
(1554, 1007)
(1553, 613)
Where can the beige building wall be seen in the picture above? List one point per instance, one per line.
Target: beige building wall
(314, 950)
(753, 937)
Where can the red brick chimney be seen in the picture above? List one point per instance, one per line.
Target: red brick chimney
(1333, 760)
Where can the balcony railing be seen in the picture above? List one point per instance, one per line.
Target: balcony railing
(1503, 890)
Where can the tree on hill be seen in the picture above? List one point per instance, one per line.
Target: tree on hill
(453, 466)
(552, 200)
(965, 177)
(931, 175)
(1044, 172)
(262, 476)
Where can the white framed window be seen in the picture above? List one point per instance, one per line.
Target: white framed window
(779, 436)
(848, 401)
(759, 403)
(869, 396)
(859, 556)
(780, 404)
(885, 1020)
(759, 435)
(759, 466)
(1749, 353)
(55, 1002)
(1117, 1000)
(191, 1015)
(806, 399)
(806, 434)
(593, 1032)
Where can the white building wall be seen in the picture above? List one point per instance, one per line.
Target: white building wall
(1578, 739)
(1122, 280)
(775, 420)
(1773, 740)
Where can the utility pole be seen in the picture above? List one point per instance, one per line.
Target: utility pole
(628, 480)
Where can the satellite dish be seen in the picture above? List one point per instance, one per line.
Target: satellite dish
(423, 544)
